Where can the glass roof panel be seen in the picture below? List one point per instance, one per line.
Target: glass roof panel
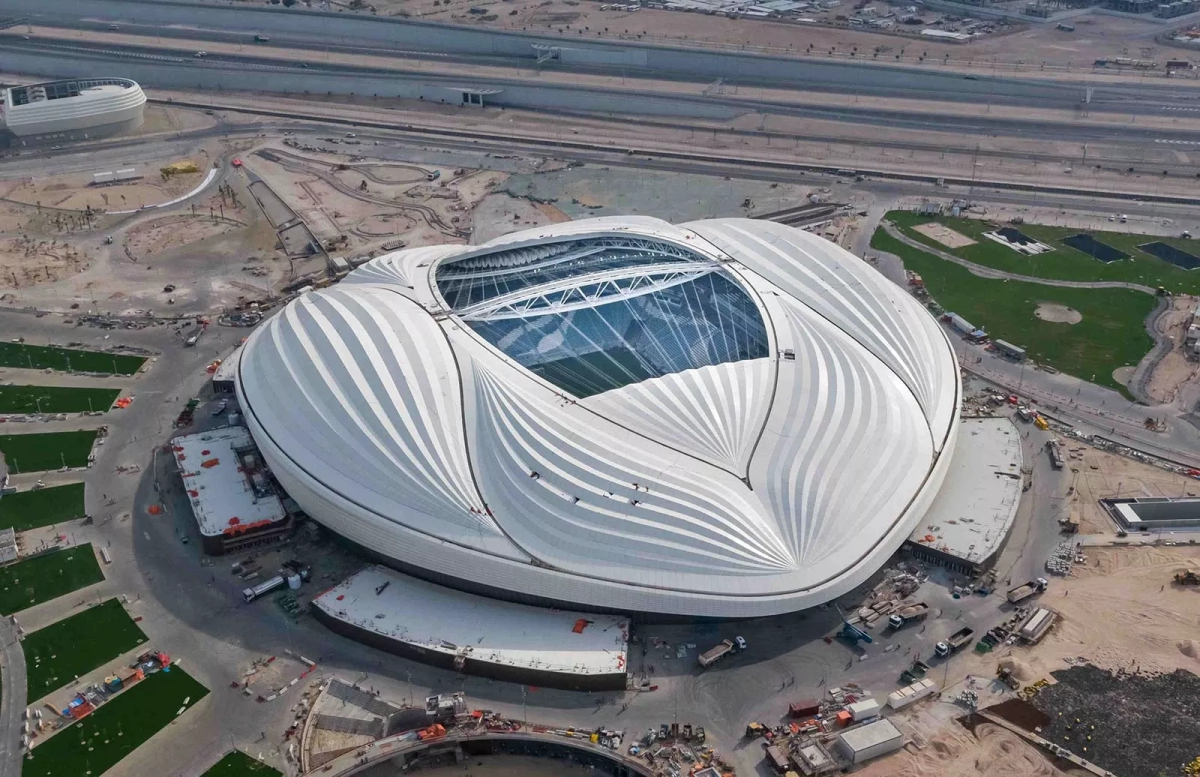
(593, 315)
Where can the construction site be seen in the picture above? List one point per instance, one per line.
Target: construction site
(1025, 171)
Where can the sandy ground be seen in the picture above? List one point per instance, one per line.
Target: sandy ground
(1147, 619)
(1123, 375)
(499, 214)
(356, 205)
(950, 750)
(1120, 610)
(1059, 314)
(1175, 369)
(1095, 36)
(74, 192)
(1098, 475)
(944, 235)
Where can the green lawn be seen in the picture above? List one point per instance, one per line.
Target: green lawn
(98, 742)
(238, 764)
(55, 399)
(49, 576)
(1063, 263)
(1112, 333)
(74, 646)
(36, 452)
(32, 509)
(41, 357)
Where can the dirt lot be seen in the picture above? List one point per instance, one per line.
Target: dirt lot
(1095, 37)
(1175, 369)
(1098, 475)
(1120, 612)
(357, 205)
(75, 192)
(944, 235)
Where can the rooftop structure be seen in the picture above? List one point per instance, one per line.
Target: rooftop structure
(1155, 513)
(231, 497)
(477, 635)
(726, 418)
(872, 740)
(83, 107)
(968, 522)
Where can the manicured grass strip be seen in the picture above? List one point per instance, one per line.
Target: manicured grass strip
(1063, 263)
(55, 399)
(1111, 334)
(49, 576)
(51, 450)
(74, 646)
(41, 357)
(98, 742)
(26, 510)
(238, 764)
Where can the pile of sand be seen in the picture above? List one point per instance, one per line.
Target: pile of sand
(1018, 668)
(1190, 647)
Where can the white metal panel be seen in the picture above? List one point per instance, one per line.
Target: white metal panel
(853, 297)
(396, 425)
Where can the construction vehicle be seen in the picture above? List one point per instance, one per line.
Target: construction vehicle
(1188, 577)
(715, 654)
(1023, 592)
(1055, 454)
(851, 633)
(1041, 422)
(954, 642)
(915, 672)
(1006, 676)
(755, 730)
(913, 612)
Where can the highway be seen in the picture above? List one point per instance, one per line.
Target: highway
(168, 68)
(309, 31)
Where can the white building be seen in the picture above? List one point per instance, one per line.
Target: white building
(75, 108)
(724, 418)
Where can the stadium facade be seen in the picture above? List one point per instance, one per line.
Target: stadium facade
(724, 418)
(73, 108)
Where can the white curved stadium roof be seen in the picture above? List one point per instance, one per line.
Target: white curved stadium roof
(723, 418)
(72, 104)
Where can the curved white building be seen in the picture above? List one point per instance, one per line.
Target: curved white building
(82, 107)
(725, 418)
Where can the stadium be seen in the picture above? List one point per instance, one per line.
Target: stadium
(73, 109)
(724, 418)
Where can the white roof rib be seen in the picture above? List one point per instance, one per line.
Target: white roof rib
(855, 298)
(353, 365)
(741, 485)
(714, 412)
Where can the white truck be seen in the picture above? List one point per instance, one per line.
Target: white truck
(250, 594)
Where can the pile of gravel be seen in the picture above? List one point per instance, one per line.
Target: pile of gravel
(1130, 724)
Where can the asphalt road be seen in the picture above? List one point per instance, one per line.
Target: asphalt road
(164, 68)
(310, 30)
(12, 702)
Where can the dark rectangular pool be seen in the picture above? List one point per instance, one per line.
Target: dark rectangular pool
(1169, 253)
(1015, 236)
(1094, 248)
